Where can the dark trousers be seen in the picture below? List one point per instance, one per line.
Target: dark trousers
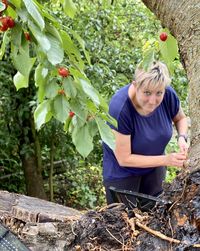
(150, 184)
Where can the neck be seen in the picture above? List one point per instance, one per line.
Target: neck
(132, 95)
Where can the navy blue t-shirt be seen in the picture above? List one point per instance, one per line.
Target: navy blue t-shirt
(149, 134)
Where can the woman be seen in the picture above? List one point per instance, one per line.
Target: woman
(145, 111)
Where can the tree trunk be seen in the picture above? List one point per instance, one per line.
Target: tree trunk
(182, 18)
(31, 159)
(33, 178)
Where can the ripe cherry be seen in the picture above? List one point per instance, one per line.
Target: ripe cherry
(163, 36)
(4, 23)
(71, 114)
(7, 22)
(3, 28)
(10, 22)
(63, 72)
(27, 36)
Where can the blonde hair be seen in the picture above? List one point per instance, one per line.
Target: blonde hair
(156, 75)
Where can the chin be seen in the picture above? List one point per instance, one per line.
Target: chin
(150, 110)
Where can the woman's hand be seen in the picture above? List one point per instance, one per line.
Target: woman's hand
(176, 159)
(183, 145)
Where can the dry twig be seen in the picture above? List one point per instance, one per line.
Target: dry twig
(156, 233)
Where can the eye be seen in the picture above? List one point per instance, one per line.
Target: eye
(159, 93)
(147, 93)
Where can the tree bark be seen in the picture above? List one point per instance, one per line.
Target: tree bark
(31, 159)
(33, 178)
(182, 18)
(39, 224)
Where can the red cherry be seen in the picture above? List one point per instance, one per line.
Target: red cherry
(4, 25)
(10, 22)
(27, 36)
(3, 20)
(61, 92)
(64, 72)
(3, 28)
(163, 36)
(71, 114)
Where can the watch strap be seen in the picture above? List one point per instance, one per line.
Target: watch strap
(183, 135)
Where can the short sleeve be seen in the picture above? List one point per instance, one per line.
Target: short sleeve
(123, 118)
(173, 102)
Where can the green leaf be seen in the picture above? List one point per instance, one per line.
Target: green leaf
(109, 118)
(67, 123)
(90, 91)
(34, 12)
(106, 133)
(82, 140)
(51, 88)
(20, 81)
(40, 37)
(69, 8)
(78, 122)
(47, 15)
(91, 107)
(169, 51)
(77, 108)
(93, 129)
(16, 35)
(72, 50)
(147, 60)
(16, 3)
(3, 45)
(61, 108)
(40, 74)
(53, 31)
(55, 54)
(69, 87)
(23, 14)
(22, 62)
(42, 113)
(103, 104)
(169, 48)
(82, 44)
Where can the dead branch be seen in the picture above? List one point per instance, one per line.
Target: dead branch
(157, 233)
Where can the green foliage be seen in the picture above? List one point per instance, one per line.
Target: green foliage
(12, 177)
(80, 187)
(113, 39)
(169, 51)
(171, 171)
(53, 45)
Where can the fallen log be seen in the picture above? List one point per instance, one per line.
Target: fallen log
(40, 224)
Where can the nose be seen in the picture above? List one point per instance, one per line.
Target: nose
(152, 100)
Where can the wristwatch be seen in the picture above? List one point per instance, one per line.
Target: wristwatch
(183, 135)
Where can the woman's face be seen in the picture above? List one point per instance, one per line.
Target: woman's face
(149, 98)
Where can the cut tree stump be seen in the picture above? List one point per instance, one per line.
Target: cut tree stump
(40, 224)
(173, 226)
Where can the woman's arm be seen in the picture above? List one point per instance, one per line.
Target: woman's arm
(125, 158)
(181, 124)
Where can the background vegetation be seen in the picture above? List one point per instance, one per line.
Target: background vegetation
(115, 35)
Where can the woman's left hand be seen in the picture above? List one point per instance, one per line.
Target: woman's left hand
(183, 145)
